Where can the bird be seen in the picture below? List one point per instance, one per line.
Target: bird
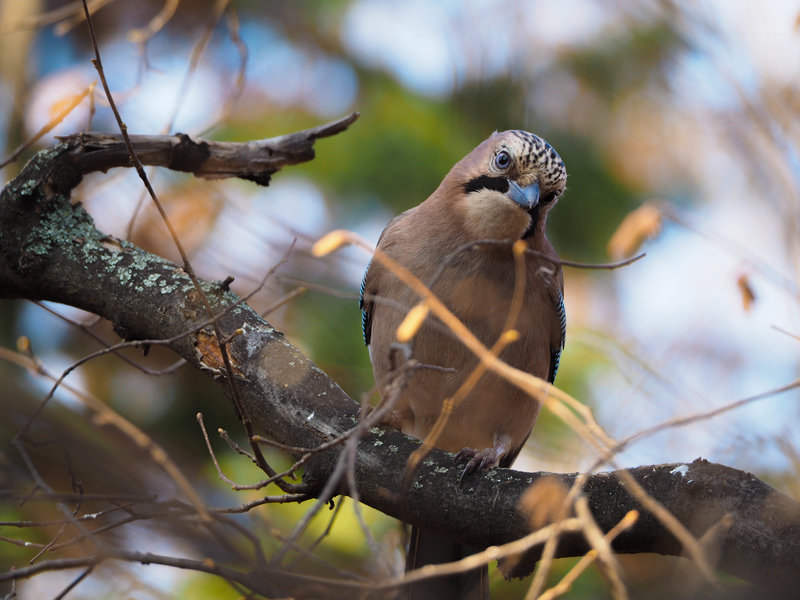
(458, 242)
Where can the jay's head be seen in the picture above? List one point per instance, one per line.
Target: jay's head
(504, 187)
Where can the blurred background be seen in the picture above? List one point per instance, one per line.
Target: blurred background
(689, 108)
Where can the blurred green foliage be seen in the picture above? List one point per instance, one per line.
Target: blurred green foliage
(635, 57)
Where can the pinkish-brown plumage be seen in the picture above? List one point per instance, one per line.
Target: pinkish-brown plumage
(499, 193)
(477, 285)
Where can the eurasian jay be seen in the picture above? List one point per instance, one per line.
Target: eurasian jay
(501, 191)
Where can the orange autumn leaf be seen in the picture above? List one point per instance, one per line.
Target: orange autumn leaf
(544, 502)
(746, 290)
(636, 228)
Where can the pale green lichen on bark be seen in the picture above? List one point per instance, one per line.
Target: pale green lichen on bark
(64, 230)
(61, 227)
(71, 230)
(26, 188)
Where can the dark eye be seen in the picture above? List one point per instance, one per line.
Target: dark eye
(502, 160)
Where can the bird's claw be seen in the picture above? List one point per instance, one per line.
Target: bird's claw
(478, 460)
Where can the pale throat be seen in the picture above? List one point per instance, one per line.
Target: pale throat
(489, 214)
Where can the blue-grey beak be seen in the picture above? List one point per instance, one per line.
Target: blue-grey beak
(527, 197)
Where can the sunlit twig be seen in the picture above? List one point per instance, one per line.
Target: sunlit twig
(564, 586)
(50, 125)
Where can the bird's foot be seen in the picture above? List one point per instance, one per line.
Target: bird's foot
(478, 460)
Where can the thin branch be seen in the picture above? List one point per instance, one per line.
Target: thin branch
(197, 51)
(477, 244)
(564, 586)
(601, 544)
(702, 416)
(733, 248)
(327, 493)
(106, 415)
(88, 331)
(283, 301)
(241, 408)
(50, 125)
(254, 161)
(43, 485)
(280, 499)
(156, 24)
(241, 47)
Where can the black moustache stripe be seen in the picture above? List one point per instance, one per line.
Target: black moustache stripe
(484, 182)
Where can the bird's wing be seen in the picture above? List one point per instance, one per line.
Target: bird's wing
(555, 350)
(365, 304)
(369, 285)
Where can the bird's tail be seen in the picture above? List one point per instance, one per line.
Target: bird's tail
(427, 548)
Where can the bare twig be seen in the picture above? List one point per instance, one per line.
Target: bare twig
(702, 416)
(563, 586)
(283, 301)
(197, 51)
(241, 408)
(105, 415)
(40, 482)
(50, 125)
(83, 575)
(477, 244)
(87, 329)
(156, 24)
(241, 47)
(602, 546)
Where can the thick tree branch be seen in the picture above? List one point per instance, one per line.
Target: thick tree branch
(50, 249)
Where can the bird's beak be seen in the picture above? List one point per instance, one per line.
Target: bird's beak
(527, 197)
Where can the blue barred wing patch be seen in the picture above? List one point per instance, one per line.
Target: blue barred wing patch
(365, 306)
(556, 355)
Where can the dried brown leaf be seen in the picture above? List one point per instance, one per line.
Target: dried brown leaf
(544, 502)
(636, 228)
(746, 290)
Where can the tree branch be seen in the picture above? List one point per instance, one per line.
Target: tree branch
(255, 161)
(51, 250)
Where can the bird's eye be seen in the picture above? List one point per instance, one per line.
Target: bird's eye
(502, 160)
